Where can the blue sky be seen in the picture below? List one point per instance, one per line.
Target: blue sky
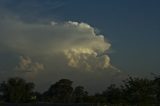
(132, 27)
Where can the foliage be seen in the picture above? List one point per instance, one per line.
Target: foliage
(60, 91)
(138, 90)
(79, 94)
(133, 91)
(113, 94)
(16, 90)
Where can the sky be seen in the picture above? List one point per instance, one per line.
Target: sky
(94, 43)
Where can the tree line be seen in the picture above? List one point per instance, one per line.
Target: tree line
(133, 90)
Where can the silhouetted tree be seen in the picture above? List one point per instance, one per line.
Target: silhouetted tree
(37, 97)
(113, 94)
(138, 91)
(79, 94)
(157, 88)
(16, 90)
(61, 91)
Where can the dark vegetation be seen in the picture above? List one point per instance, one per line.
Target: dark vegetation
(133, 91)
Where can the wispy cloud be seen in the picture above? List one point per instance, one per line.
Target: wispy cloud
(31, 7)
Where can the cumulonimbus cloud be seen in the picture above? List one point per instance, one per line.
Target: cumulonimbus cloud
(77, 41)
(67, 50)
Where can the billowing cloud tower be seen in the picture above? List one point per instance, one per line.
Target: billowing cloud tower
(56, 50)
